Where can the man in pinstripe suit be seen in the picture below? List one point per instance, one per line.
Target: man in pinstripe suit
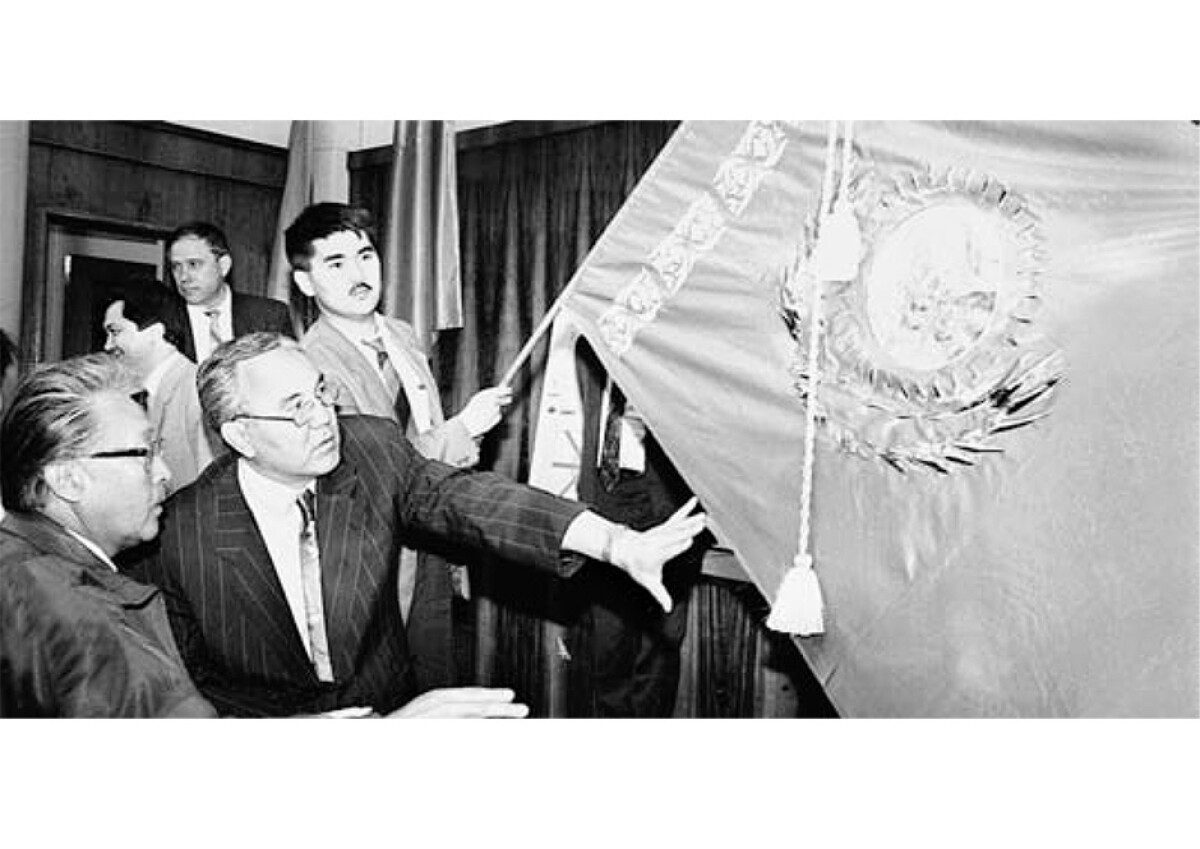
(235, 558)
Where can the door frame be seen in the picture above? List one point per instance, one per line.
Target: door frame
(58, 231)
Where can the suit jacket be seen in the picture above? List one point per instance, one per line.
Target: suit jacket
(634, 647)
(174, 408)
(77, 638)
(250, 313)
(227, 607)
(425, 587)
(361, 390)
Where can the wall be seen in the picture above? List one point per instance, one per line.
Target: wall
(147, 176)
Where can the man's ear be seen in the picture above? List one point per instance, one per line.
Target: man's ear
(234, 433)
(66, 480)
(224, 264)
(303, 282)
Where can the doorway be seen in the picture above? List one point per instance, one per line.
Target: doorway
(85, 261)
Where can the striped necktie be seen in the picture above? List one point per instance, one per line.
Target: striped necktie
(310, 582)
(391, 380)
(610, 451)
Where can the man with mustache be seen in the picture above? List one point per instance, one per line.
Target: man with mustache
(279, 564)
(83, 480)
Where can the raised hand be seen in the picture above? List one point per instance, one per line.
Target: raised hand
(483, 411)
(644, 553)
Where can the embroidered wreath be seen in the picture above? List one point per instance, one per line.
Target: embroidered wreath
(931, 352)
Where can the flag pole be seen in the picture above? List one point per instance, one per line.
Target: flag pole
(538, 333)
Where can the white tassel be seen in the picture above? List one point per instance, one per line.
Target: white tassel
(799, 607)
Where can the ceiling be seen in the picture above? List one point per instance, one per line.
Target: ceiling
(360, 134)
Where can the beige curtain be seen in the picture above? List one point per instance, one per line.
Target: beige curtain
(316, 172)
(422, 283)
(14, 177)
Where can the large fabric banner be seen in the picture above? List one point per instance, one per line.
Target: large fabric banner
(1004, 505)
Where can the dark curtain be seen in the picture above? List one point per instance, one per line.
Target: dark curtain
(529, 211)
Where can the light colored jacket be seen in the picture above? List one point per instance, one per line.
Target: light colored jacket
(361, 390)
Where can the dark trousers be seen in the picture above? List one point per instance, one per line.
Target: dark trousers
(635, 646)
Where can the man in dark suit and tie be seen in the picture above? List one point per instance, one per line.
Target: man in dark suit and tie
(213, 312)
(635, 647)
(279, 564)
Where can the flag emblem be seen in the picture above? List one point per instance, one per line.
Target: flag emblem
(932, 351)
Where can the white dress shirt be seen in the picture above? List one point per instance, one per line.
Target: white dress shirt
(277, 514)
(200, 323)
(632, 452)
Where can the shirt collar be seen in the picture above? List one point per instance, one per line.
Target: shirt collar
(264, 494)
(222, 303)
(356, 332)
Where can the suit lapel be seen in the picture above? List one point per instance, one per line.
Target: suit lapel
(244, 567)
(347, 583)
(237, 313)
(368, 394)
(405, 340)
(187, 344)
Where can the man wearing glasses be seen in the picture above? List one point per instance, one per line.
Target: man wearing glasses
(83, 481)
(279, 564)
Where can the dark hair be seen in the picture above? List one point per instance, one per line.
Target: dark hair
(8, 354)
(216, 379)
(210, 234)
(320, 221)
(147, 303)
(51, 418)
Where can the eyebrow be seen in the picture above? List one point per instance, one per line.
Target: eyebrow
(296, 395)
(367, 248)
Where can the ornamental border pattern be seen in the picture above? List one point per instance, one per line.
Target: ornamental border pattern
(669, 265)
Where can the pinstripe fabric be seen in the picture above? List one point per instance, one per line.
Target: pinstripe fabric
(227, 607)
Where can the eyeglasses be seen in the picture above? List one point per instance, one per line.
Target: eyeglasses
(147, 453)
(305, 410)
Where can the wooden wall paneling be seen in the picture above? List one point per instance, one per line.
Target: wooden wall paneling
(154, 175)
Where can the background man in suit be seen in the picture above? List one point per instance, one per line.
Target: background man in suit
(141, 327)
(279, 563)
(200, 263)
(377, 367)
(634, 646)
(83, 482)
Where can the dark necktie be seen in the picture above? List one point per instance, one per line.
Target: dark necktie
(391, 380)
(610, 450)
(141, 397)
(310, 583)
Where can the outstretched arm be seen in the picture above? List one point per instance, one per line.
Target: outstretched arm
(641, 554)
